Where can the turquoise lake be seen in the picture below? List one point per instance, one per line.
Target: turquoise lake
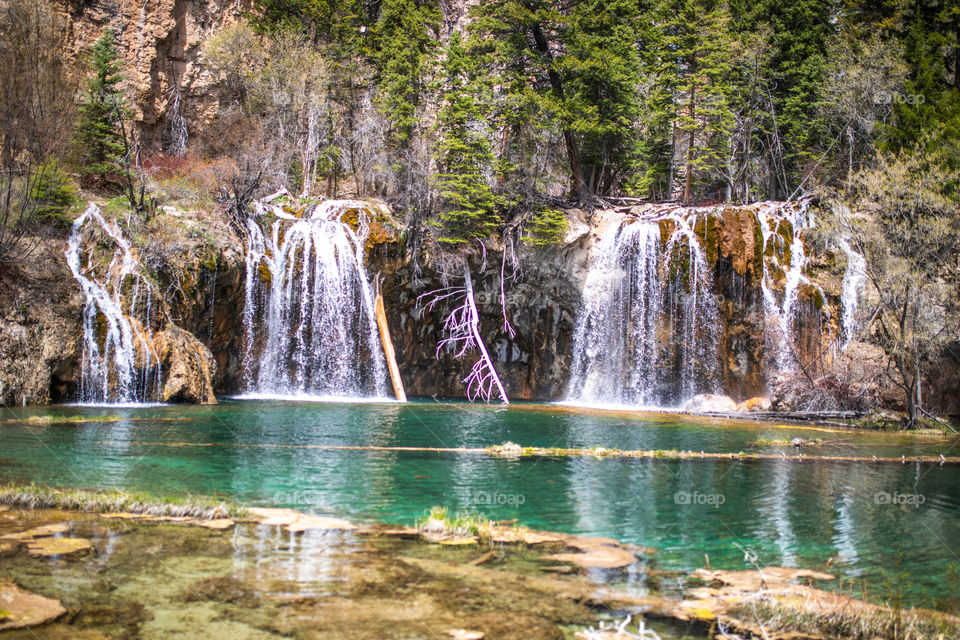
(881, 528)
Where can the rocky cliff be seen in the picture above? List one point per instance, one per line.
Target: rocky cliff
(161, 45)
(196, 263)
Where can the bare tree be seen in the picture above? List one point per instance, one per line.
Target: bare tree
(902, 218)
(36, 112)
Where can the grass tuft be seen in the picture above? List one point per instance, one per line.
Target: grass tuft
(34, 496)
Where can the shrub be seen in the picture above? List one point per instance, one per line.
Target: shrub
(52, 194)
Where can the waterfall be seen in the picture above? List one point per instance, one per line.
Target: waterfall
(772, 217)
(854, 277)
(647, 333)
(118, 362)
(309, 318)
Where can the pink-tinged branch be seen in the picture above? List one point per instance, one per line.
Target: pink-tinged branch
(462, 326)
(503, 294)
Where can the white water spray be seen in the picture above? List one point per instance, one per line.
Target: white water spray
(647, 334)
(309, 318)
(772, 218)
(854, 278)
(118, 362)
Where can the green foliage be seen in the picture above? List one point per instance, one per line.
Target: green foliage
(406, 42)
(711, 100)
(464, 153)
(548, 226)
(696, 54)
(97, 139)
(52, 193)
(601, 72)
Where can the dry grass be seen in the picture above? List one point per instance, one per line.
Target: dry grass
(33, 496)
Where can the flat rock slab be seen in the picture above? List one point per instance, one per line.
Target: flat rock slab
(9, 548)
(38, 532)
(20, 609)
(274, 517)
(51, 547)
(751, 579)
(320, 523)
(595, 553)
(297, 522)
(218, 524)
(609, 558)
(399, 532)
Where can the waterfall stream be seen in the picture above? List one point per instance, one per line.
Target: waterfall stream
(118, 362)
(649, 330)
(309, 316)
(782, 226)
(647, 334)
(854, 278)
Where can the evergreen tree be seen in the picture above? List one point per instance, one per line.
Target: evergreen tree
(600, 68)
(406, 39)
(519, 41)
(794, 135)
(696, 69)
(98, 139)
(469, 205)
(930, 104)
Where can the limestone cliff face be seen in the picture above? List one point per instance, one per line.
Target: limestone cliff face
(161, 43)
(39, 329)
(542, 295)
(194, 269)
(198, 265)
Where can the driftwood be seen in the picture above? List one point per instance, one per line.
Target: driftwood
(574, 453)
(388, 351)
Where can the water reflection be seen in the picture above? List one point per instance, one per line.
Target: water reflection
(787, 512)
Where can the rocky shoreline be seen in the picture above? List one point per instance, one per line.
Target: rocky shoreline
(533, 584)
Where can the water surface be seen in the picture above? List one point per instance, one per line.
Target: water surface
(861, 520)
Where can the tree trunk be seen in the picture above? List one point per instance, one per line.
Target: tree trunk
(690, 142)
(579, 186)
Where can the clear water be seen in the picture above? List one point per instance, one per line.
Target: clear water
(787, 512)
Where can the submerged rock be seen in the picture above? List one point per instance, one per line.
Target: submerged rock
(50, 547)
(710, 403)
(21, 609)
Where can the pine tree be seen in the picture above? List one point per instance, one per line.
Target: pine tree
(696, 69)
(519, 40)
(600, 70)
(406, 40)
(469, 205)
(794, 134)
(98, 139)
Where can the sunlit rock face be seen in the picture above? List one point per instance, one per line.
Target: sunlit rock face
(160, 42)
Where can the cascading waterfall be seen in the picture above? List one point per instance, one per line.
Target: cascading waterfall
(309, 315)
(118, 362)
(854, 277)
(648, 331)
(771, 217)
